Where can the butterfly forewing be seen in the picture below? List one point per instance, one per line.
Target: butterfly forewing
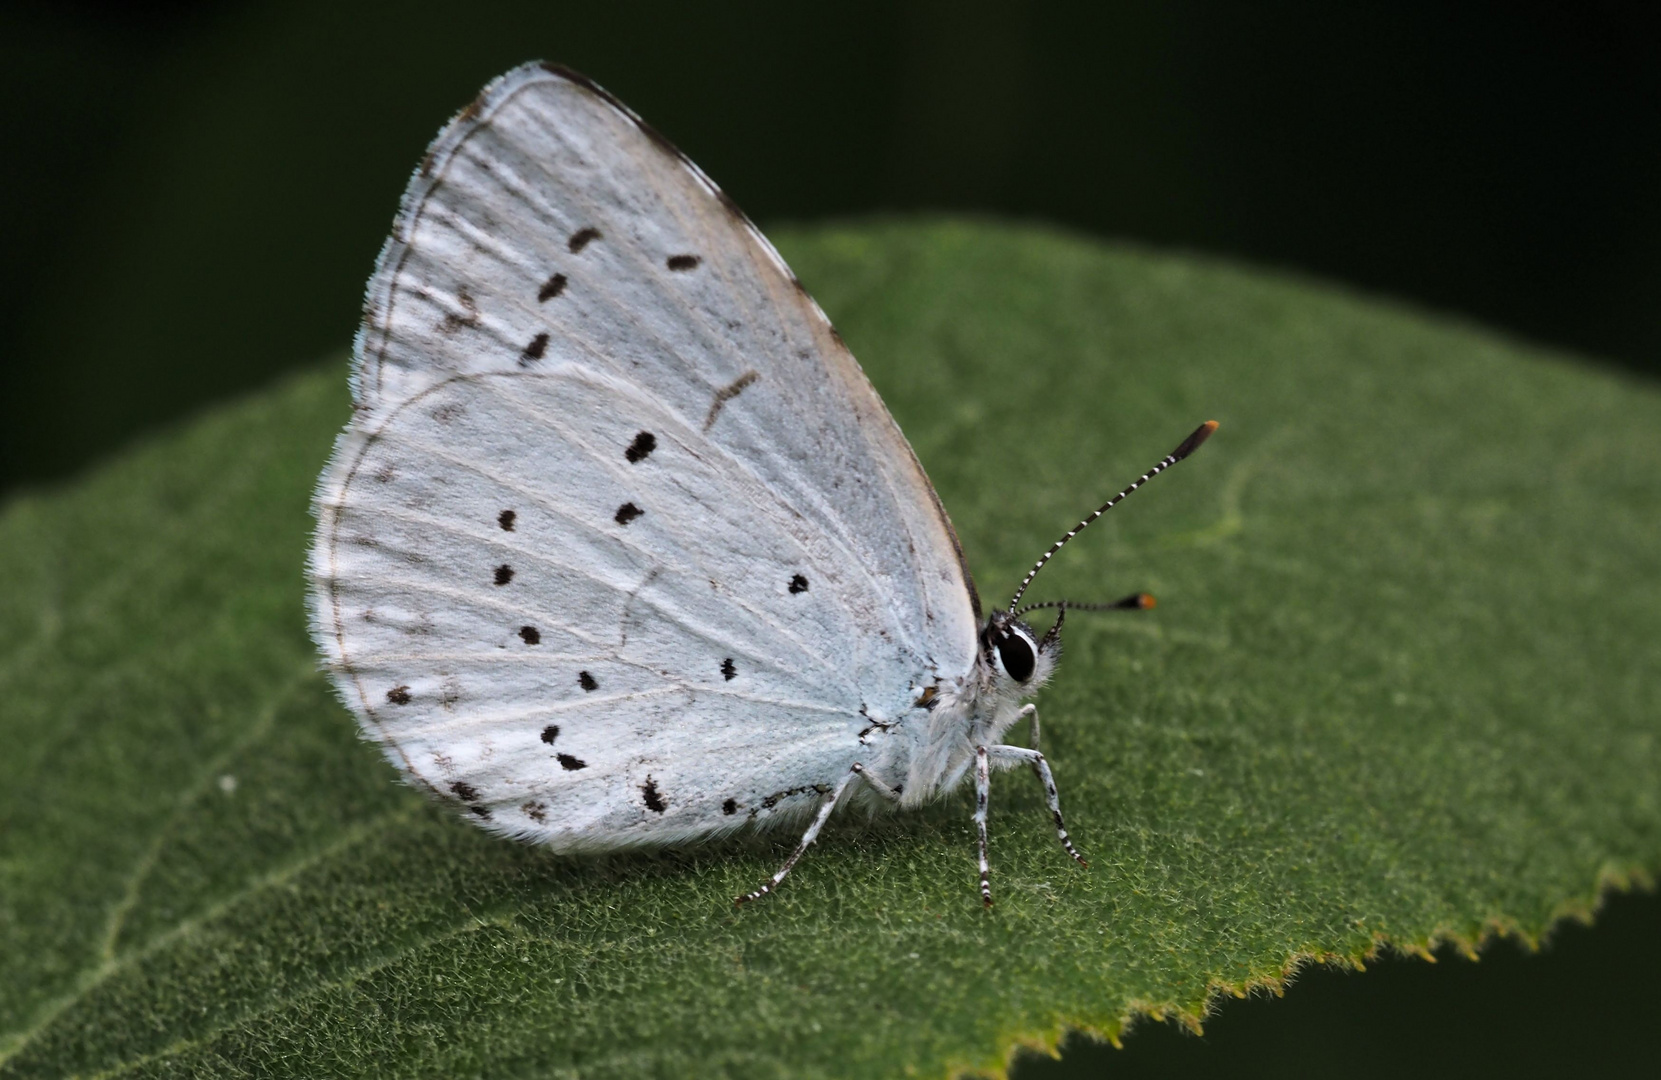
(620, 545)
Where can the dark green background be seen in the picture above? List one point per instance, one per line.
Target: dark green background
(195, 195)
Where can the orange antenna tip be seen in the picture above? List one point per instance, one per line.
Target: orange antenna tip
(1194, 441)
(1146, 602)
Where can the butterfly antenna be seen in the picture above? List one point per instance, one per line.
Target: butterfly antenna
(1138, 601)
(1189, 445)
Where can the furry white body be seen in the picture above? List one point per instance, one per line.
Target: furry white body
(932, 754)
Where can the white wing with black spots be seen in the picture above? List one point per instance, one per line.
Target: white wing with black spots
(620, 546)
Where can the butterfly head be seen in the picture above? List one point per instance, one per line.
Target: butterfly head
(1011, 650)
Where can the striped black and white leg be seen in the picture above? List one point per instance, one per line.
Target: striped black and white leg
(808, 837)
(1010, 755)
(983, 791)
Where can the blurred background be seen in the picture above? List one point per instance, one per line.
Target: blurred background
(195, 193)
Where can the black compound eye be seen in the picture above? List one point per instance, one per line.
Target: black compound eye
(1016, 653)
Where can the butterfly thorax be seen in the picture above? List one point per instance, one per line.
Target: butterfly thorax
(936, 751)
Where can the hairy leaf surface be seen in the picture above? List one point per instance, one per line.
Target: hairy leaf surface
(1400, 687)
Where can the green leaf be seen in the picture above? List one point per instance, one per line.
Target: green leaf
(1400, 688)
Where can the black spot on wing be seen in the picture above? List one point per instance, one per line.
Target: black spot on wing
(398, 695)
(550, 289)
(652, 797)
(536, 811)
(530, 635)
(550, 733)
(482, 811)
(642, 447)
(586, 681)
(504, 574)
(798, 584)
(470, 313)
(726, 394)
(789, 793)
(534, 351)
(728, 671)
(729, 807)
(569, 763)
(627, 513)
(464, 791)
(506, 519)
(683, 262)
(582, 238)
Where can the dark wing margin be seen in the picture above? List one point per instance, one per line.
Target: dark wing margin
(843, 353)
(373, 331)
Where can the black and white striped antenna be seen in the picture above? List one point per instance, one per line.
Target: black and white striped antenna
(1189, 445)
(1136, 601)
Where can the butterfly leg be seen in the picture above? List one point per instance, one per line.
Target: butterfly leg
(1010, 755)
(808, 837)
(891, 794)
(1030, 712)
(983, 790)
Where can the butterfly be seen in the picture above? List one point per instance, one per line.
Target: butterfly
(619, 546)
